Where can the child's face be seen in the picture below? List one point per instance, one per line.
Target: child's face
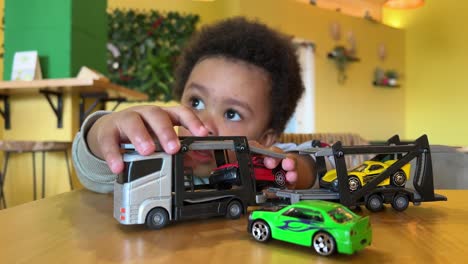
(231, 97)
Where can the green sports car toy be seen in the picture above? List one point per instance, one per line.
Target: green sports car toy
(327, 227)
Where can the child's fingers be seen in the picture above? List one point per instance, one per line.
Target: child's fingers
(160, 122)
(111, 152)
(291, 177)
(288, 164)
(131, 125)
(184, 116)
(114, 160)
(271, 163)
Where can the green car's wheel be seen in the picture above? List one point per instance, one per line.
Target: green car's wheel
(354, 183)
(261, 231)
(323, 243)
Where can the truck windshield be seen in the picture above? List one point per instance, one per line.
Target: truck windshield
(137, 169)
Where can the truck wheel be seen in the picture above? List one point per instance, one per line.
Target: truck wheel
(374, 203)
(323, 243)
(261, 231)
(157, 218)
(400, 202)
(354, 183)
(399, 178)
(234, 210)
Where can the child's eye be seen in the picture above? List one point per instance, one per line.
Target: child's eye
(232, 115)
(197, 104)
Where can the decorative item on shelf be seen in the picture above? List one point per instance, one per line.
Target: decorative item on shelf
(384, 78)
(342, 58)
(382, 52)
(26, 66)
(340, 54)
(143, 48)
(335, 31)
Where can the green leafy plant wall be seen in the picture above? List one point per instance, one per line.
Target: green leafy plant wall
(143, 48)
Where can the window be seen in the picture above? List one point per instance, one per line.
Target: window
(360, 168)
(303, 213)
(137, 169)
(340, 215)
(375, 167)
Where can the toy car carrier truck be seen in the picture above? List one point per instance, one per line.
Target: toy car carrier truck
(159, 188)
(371, 194)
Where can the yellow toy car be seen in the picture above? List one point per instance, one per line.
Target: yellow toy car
(366, 172)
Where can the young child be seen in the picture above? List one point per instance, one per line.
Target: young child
(235, 78)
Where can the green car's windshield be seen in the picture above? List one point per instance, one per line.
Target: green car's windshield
(360, 168)
(340, 215)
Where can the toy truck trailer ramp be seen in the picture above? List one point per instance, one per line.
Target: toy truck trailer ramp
(371, 194)
(153, 188)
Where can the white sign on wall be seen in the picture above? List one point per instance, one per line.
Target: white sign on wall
(26, 66)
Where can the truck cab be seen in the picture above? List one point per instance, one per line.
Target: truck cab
(144, 184)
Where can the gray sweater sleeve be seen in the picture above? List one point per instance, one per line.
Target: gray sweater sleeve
(92, 172)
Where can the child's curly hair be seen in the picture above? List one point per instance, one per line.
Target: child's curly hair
(257, 44)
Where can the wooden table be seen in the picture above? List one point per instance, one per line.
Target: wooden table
(78, 227)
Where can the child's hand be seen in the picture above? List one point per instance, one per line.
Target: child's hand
(140, 125)
(288, 164)
(300, 169)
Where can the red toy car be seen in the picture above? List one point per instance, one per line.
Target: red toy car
(226, 175)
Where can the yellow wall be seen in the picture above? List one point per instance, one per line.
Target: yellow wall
(436, 70)
(357, 106)
(209, 11)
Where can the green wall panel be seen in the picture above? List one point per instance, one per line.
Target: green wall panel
(66, 33)
(89, 35)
